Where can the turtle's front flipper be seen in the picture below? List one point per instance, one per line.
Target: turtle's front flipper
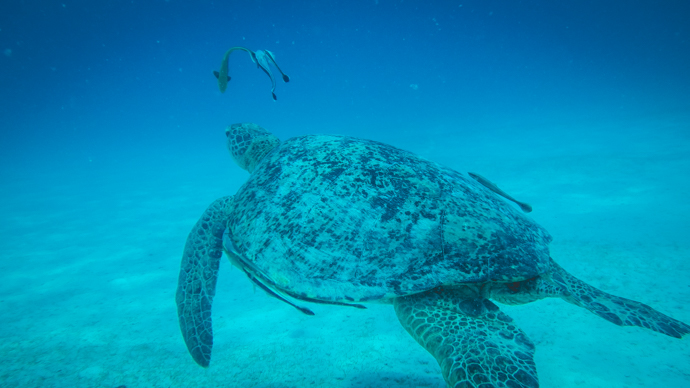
(196, 285)
(473, 341)
(621, 311)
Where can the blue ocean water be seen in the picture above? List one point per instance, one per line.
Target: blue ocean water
(113, 144)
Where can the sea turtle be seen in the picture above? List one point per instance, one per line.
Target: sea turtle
(339, 220)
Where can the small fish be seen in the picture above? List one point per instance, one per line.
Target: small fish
(222, 74)
(275, 295)
(491, 186)
(262, 58)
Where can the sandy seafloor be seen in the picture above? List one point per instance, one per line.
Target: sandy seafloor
(89, 270)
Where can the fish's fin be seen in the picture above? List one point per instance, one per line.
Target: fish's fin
(217, 74)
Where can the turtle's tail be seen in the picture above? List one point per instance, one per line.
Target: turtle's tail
(621, 311)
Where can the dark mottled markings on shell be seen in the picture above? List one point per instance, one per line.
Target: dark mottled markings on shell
(343, 219)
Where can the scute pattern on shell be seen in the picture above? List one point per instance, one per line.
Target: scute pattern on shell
(344, 219)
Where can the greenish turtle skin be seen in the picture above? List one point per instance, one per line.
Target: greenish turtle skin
(339, 220)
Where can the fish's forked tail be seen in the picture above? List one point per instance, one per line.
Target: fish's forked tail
(524, 206)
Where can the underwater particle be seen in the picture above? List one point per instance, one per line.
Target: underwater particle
(7, 52)
(414, 86)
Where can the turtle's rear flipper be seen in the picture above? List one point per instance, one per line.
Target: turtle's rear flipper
(621, 311)
(472, 340)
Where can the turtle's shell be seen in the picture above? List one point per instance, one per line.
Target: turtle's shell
(342, 219)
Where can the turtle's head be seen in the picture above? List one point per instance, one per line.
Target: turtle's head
(248, 143)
